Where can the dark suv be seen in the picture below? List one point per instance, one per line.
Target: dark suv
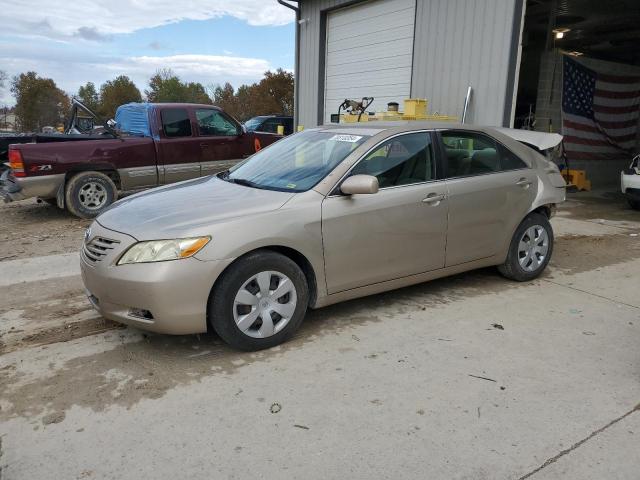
(269, 124)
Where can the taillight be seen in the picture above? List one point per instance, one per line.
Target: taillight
(16, 163)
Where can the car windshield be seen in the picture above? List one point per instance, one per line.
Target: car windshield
(295, 163)
(253, 123)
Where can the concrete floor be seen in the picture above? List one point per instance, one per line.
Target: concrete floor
(417, 383)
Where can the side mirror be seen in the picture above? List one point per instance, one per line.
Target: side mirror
(243, 129)
(360, 184)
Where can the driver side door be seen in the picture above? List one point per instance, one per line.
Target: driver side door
(397, 232)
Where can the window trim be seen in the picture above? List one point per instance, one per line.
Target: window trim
(189, 117)
(445, 159)
(436, 159)
(223, 115)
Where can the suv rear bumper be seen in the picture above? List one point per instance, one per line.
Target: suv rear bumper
(13, 189)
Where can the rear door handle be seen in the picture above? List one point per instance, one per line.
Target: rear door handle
(204, 145)
(434, 198)
(524, 183)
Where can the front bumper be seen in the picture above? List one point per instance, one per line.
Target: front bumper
(13, 189)
(175, 293)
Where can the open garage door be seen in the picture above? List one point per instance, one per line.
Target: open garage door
(580, 76)
(369, 53)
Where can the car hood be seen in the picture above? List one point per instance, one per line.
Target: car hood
(187, 208)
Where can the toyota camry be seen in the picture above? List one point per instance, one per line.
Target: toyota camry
(325, 215)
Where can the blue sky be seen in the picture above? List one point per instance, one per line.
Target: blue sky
(209, 41)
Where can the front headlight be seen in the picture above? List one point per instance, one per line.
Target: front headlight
(163, 250)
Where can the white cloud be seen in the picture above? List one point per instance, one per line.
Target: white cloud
(188, 66)
(70, 73)
(94, 20)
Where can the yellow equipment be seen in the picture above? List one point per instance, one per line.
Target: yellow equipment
(577, 178)
(414, 109)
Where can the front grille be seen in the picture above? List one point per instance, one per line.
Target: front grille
(98, 248)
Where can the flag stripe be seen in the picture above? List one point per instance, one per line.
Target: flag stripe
(589, 155)
(616, 102)
(616, 117)
(586, 141)
(615, 109)
(628, 125)
(633, 122)
(602, 93)
(618, 78)
(588, 131)
(617, 87)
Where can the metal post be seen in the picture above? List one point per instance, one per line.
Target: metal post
(467, 99)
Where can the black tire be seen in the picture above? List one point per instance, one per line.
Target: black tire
(635, 204)
(511, 268)
(221, 301)
(76, 187)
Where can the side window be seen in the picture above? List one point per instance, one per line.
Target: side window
(509, 160)
(270, 125)
(403, 160)
(213, 123)
(175, 122)
(470, 153)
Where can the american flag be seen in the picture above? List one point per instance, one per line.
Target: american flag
(600, 112)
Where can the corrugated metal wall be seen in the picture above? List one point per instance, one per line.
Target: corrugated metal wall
(457, 43)
(460, 43)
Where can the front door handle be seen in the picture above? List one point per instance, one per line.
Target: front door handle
(204, 145)
(524, 183)
(433, 198)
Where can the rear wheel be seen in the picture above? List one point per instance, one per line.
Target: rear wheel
(635, 204)
(530, 249)
(259, 302)
(88, 194)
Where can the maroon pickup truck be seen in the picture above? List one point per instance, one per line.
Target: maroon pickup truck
(145, 146)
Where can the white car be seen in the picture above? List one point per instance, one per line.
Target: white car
(630, 183)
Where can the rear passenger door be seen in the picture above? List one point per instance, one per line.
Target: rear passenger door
(490, 190)
(178, 147)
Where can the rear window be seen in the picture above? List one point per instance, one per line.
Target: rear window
(175, 122)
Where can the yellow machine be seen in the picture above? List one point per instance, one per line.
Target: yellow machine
(576, 178)
(414, 109)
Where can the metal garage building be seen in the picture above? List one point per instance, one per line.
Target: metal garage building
(506, 50)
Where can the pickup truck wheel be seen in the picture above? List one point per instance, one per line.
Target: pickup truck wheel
(87, 194)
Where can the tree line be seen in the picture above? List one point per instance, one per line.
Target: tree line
(40, 102)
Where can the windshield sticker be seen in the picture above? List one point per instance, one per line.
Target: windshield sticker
(291, 185)
(346, 138)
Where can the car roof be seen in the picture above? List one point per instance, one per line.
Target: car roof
(540, 140)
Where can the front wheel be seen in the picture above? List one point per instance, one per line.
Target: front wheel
(635, 204)
(259, 302)
(88, 194)
(530, 249)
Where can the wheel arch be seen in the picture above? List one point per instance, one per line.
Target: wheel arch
(296, 256)
(106, 169)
